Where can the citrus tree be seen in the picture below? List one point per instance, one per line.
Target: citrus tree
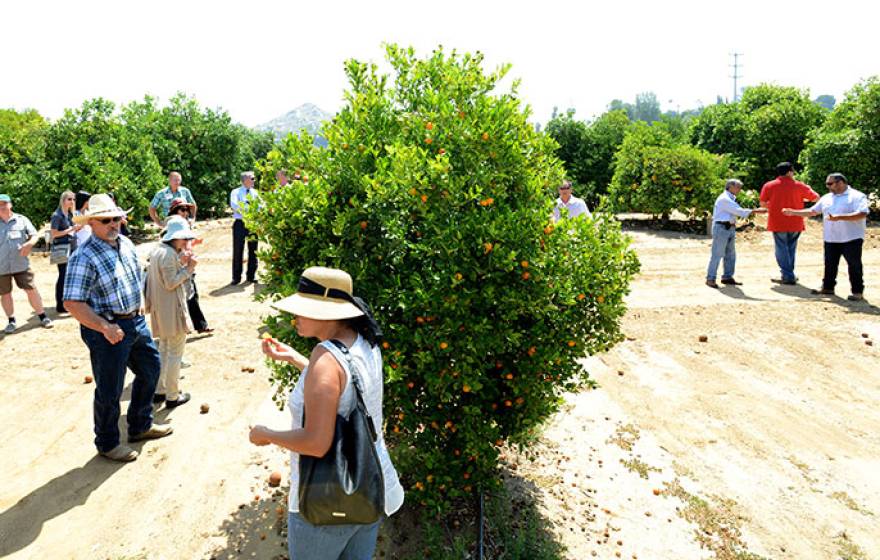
(655, 175)
(435, 193)
(849, 141)
(204, 145)
(767, 126)
(23, 172)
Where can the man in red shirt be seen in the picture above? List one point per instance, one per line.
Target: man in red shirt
(785, 192)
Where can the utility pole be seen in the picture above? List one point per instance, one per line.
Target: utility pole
(736, 75)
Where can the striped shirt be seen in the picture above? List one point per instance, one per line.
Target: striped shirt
(107, 278)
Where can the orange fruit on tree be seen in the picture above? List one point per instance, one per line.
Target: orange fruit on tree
(458, 276)
(410, 384)
(532, 351)
(571, 343)
(466, 388)
(485, 136)
(385, 345)
(429, 125)
(509, 376)
(363, 225)
(441, 151)
(413, 191)
(424, 198)
(444, 346)
(508, 403)
(548, 230)
(524, 264)
(581, 297)
(526, 275)
(488, 247)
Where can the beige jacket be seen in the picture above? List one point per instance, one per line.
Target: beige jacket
(165, 293)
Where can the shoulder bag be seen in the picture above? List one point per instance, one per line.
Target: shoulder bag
(59, 253)
(345, 486)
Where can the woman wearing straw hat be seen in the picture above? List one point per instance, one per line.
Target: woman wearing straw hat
(171, 267)
(325, 308)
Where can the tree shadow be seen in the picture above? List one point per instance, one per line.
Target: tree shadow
(255, 530)
(21, 524)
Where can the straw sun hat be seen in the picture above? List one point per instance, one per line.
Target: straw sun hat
(324, 294)
(101, 206)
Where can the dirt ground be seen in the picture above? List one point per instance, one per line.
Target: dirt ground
(761, 441)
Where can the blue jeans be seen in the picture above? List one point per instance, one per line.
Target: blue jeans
(723, 247)
(109, 361)
(330, 542)
(786, 248)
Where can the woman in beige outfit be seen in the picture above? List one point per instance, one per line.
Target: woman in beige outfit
(171, 266)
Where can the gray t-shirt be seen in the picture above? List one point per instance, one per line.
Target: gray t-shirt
(14, 234)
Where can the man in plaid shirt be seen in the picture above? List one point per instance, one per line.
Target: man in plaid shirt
(102, 290)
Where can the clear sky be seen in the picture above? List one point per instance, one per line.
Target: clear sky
(259, 59)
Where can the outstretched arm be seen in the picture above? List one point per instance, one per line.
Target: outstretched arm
(805, 213)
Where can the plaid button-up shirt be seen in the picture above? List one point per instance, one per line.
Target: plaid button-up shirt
(108, 278)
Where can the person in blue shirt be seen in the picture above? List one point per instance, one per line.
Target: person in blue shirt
(724, 216)
(239, 199)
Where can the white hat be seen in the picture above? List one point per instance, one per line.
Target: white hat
(178, 229)
(101, 206)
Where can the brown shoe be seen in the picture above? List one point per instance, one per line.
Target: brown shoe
(156, 431)
(731, 282)
(822, 292)
(712, 284)
(855, 297)
(121, 453)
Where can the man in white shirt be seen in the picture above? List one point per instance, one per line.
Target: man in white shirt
(724, 216)
(575, 206)
(238, 200)
(844, 213)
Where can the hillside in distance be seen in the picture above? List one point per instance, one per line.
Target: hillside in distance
(307, 117)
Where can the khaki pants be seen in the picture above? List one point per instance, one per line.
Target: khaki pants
(170, 355)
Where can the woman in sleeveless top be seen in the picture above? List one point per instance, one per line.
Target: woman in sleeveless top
(325, 309)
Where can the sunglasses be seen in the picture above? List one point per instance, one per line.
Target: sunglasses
(565, 188)
(114, 220)
(829, 183)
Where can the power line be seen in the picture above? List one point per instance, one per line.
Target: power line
(736, 75)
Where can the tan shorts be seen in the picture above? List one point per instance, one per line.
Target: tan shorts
(24, 280)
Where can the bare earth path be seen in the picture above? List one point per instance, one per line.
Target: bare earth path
(763, 440)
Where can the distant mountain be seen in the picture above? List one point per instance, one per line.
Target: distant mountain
(307, 116)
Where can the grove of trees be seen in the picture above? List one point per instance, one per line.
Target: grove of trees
(639, 160)
(128, 151)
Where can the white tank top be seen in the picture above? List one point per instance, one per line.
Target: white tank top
(368, 360)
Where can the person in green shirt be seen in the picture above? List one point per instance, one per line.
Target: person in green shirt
(161, 202)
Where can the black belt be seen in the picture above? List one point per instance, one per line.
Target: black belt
(727, 225)
(119, 316)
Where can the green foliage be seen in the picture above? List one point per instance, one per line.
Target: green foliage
(97, 149)
(767, 126)
(587, 150)
(849, 141)
(646, 107)
(22, 146)
(654, 174)
(204, 145)
(435, 193)
(90, 149)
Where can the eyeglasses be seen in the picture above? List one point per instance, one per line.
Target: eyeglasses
(565, 188)
(829, 183)
(114, 220)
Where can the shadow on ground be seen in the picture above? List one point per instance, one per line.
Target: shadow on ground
(21, 524)
(513, 529)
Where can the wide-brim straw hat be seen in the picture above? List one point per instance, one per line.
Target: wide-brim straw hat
(322, 306)
(100, 206)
